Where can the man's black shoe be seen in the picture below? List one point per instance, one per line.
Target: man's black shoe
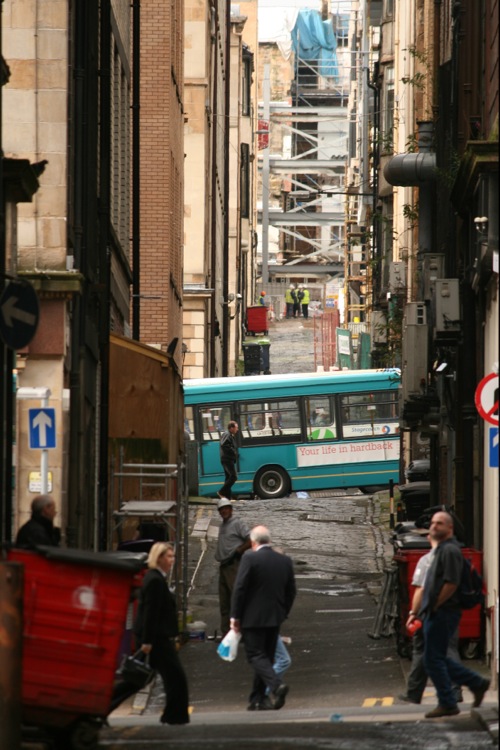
(407, 699)
(263, 705)
(280, 696)
(480, 693)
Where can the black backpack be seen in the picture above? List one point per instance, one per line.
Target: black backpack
(471, 589)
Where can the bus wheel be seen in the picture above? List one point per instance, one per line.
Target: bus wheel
(271, 482)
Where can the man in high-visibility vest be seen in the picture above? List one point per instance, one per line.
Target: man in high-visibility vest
(262, 299)
(305, 298)
(290, 299)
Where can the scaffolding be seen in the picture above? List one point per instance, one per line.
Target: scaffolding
(153, 496)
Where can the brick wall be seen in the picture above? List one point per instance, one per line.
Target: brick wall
(162, 156)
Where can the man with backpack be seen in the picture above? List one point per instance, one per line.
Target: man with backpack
(442, 608)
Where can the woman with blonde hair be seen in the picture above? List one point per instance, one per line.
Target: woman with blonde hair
(156, 628)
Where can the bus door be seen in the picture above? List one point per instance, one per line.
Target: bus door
(212, 422)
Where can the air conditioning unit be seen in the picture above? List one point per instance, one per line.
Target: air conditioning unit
(378, 327)
(433, 268)
(415, 314)
(397, 276)
(447, 306)
(414, 360)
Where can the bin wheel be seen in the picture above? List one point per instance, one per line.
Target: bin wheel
(83, 734)
(469, 649)
(272, 482)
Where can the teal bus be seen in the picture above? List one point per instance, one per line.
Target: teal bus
(308, 431)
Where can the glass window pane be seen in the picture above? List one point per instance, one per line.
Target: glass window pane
(270, 419)
(214, 421)
(370, 414)
(320, 418)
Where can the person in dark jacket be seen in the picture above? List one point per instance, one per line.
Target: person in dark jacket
(156, 628)
(263, 595)
(40, 528)
(228, 458)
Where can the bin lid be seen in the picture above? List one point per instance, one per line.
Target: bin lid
(412, 541)
(125, 561)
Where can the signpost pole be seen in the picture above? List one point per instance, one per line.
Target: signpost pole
(44, 460)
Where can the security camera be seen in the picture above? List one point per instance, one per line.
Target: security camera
(230, 297)
(238, 296)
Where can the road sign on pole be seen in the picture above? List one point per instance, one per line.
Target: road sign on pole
(486, 398)
(19, 313)
(42, 428)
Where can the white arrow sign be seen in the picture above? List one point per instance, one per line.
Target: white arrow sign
(12, 313)
(42, 421)
(42, 429)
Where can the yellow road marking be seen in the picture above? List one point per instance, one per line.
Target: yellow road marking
(371, 702)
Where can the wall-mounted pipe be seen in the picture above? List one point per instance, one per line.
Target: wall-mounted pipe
(406, 170)
(418, 170)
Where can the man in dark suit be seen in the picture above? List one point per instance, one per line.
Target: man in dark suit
(262, 598)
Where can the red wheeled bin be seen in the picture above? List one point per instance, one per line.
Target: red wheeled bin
(256, 320)
(75, 611)
(470, 628)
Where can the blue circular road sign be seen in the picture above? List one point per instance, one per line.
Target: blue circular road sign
(19, 313)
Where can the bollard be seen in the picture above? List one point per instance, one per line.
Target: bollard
(11, 633)
(391, 503)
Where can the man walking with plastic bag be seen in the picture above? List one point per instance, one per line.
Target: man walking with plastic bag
(263, 596)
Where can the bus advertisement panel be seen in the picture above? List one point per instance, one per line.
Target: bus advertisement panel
(297, 432)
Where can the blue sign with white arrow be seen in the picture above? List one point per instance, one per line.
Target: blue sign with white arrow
(42, 428)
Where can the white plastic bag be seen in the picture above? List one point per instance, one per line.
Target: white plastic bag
(228, 647)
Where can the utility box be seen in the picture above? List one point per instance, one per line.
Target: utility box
(447, 306)
(415, 359)
(397, 276)
(415, 314)
(433, 269)
(378, 326)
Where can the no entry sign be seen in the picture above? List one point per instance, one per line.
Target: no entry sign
(487, 398)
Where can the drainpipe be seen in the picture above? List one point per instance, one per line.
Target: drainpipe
(136, 176)
(418, 170)
(100, 542)
(225, 270)
(213, 281)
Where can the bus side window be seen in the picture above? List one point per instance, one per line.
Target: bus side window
(214, 421)
(321, 418)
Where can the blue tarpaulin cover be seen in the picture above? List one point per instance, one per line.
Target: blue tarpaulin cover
(314, 39)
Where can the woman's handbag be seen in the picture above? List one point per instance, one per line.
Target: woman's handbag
(136, 669)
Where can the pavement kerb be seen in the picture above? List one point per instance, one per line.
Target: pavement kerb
(488, 718)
